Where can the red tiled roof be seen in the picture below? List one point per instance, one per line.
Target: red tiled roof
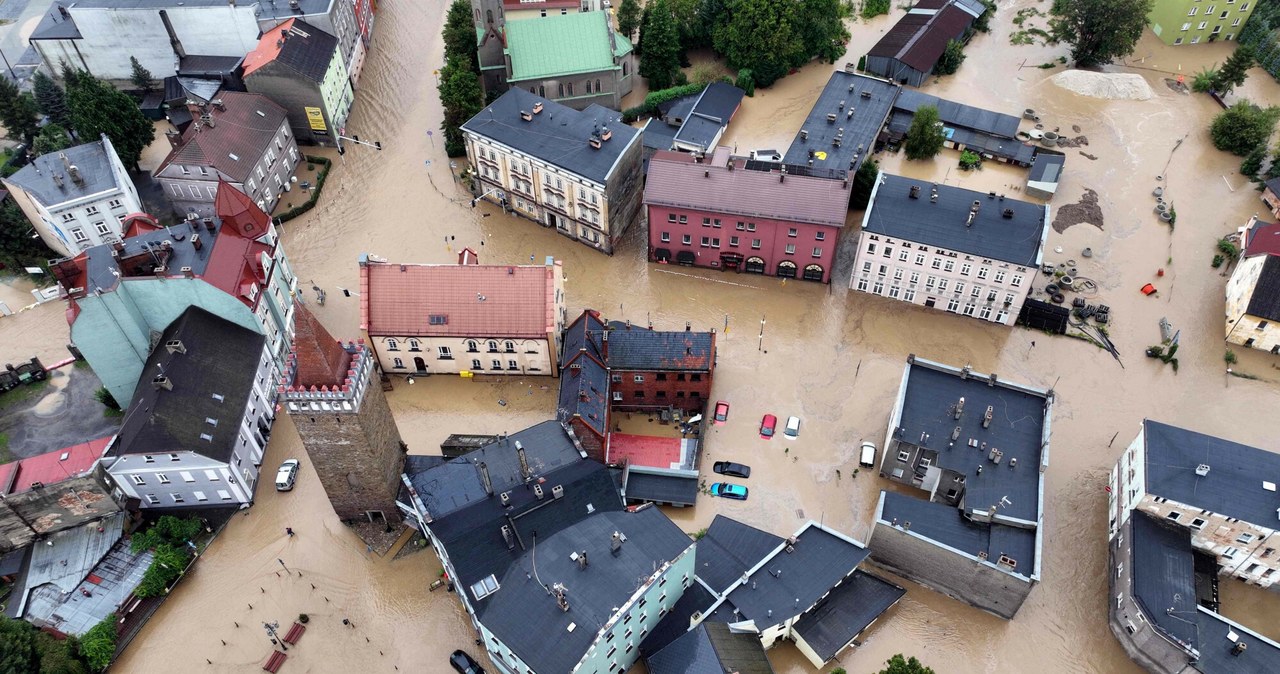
(238, 212)
(235, 266)
(674, 179)
(1264, 239)
(644, 450)
(139, 223)
(267, 50)
(476, 300)
(321, 360)
(243, 128)
(52, 467)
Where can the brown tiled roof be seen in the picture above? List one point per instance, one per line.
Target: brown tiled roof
(238, 212)
(244, 128)
(674, 179)
(918, 40)
(320, 359)
(476, 300)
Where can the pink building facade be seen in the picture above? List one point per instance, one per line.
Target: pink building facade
(714, 212)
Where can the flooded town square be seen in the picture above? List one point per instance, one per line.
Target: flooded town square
(833, 357)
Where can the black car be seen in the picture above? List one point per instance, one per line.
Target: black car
(732, 469)
(464, 664)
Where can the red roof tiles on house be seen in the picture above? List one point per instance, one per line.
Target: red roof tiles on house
(268, 48)
(474, 300)
(238, 213)
(50, 468)
(1263, 239)
(242, 130)
(320, 359)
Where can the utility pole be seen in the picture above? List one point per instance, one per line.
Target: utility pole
(271, 628)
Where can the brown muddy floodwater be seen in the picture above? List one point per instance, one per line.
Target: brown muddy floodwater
(830, 356)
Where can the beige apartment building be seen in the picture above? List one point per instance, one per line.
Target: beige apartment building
(1253, 293)
(467, 318)
(949, 248)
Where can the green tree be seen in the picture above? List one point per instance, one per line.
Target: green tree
(1233, 73)
(924, 136)
(863, 182)
(1099, 31)
(900, 665)
(1242, 127)
(951, 58)
(660, 61)
(628, 18)
(98, 645)
(638, 47)
(873, 8)
(1203, 80)
(17, 248)
(983, 23)
(460, 36)
(17, 647)
(462, 98)
(98, 108)
(820, 24)
(746, 82)
(141, 77)
(18, 112)
(51, 99)
(685, 14)
(759, 35)
(171, 530)
(60, 656)
(167, 563)
(1252, 163)
(51, 138)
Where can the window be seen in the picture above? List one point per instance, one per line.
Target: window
(187, 477)
(706, 222)
(397, 363)
(1235, 23)
(1197, 523)
(733, 241)
(871, 249)
(937, 263)
(493, 346)
(909, 295)
(791, 249)
(211, 475)
(792, 232)
(1195, 40)
(148, 458)
(1202, 25)
(903, 255)
(497, 364)
(79, 235)
(1173, 516)
(177, 498)
(687, 240)
(138, 479)
(1017, 280)
(484, 587)
(915, 277)
(1262, 325)
(1193, 11)
(959, 287)
(164, 479)
(751, 226)
(510, 347)
(862, 285)
(393, 345)
(671, 217)
(475, 364)
(639, 379)
(200, 496)
(684, 219)
(953, 304)
(512, 365)
(68, 217)
(964, 269)
(414, 345)
(101, 228)
(820, 236)
(897, 274)
(114, 203)
(755, 243)
(920, 258)
(1245, 538)
(716, 223)
(1176, 42)
(942, 285)
(444, 353)
(999, 277)
(1186, 27)
(151, 498)
(1211, 9)
(706, 241)
(950, 265)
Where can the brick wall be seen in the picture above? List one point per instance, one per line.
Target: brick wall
(357, 455)
(591, 443)
(660, 390)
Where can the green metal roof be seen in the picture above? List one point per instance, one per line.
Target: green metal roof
(560, 45)
(621, 45)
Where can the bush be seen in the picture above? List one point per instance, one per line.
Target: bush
(168, 530)
(167, 565)
(98, 645)
(1243, 127)
(104, 396)
(1202, 81)
(310, 203)
(951, 58)
(1226, 247)
(863, 182)
(1252, 163)
(874, 8)
(656, 98)
(746, 81)
(970, 160)
(1230, 357)
(983, 23)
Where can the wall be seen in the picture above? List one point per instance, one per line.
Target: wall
(1168, 17)
(958, 575)
(624, 193)
(532, 356)
(337, 94)
(1245, 329)
(294, 94)
(659, 390)
(930, 274)
(591, 443)
(764, 239)
(264, 178)
(338, 20)
(1272, 201)
(605, 87)
(893, 69)
(1139, 638)
(98, 217)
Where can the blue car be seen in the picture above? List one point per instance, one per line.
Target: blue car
(726, 490)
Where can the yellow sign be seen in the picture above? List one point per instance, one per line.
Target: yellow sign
(316, 118)
(466, 374)
(817, 155)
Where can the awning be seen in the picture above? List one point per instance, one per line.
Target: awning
(661, 254)
(731, 257)
(686, 257)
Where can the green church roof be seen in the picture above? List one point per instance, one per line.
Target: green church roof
(561, 45)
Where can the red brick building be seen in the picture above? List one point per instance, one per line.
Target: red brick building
(652, 370)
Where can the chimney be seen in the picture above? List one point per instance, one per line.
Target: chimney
(293, 4)
(582, 560)
(537, 492)
(914, 193)
(594, 142)
(804, 135)
(162, 382)
(537, 107)
(524, 462)
(1238, 648)
(175, 346)
(986, 417)
(933, 194)
(526, 115)
(75, 174)
(196, 242)
(508, 538)
(174, 42)
(960, 407)
(1007, 214)
(605, 134)
(218, 105)
(57, 180)
(66, 163)
(615, 545)
(173, 137)
(484, 478)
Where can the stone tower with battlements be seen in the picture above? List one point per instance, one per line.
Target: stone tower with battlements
(345, 422)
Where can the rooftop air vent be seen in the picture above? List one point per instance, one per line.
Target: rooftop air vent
(1202, 470)
(1007, 214)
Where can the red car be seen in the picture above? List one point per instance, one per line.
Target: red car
(722, 412)
(767, 425)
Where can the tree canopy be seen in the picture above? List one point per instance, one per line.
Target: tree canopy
(141, 77)
(1099, 31)
(98, 645)
(951, 58)
(660, 60)
(51, 99)
(18, 112)
(900, 665)
(460, 35)
(1233, 73)
(924, 136)
(759, 35)
(51, 138)
(1242, 127)
(98, 108)
(26, 650)
(629, 18)
(462, 98)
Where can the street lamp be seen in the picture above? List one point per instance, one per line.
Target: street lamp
(377, 145)
(271, 628)
(502, 197)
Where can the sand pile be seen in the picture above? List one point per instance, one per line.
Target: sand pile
(1112, 86)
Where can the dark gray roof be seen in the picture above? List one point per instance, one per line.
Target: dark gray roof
(844, 93)
(1265, 300)
(658, 136)
(455, 484)
(1233, 486)
(54, 26)
(960, 115)
(729, 549)
(558, 135)
(790, 583)
(1273, 185)
(1164, 576)
(307, 50)
(661, 487)
(91, 159)
(711, 113)
(221, 359)
(1261, 656)
(1047, 168)
(527, 620)
(638, 348)
(1016, 240)
(846, 612)
(200, 65)
(695, 599)
(584, 380)
(102, 267)
(1012, 149)
(919, 38)
(1016, 428)
(711, 648)
(11, 562)
(945, 524)
(699, 130)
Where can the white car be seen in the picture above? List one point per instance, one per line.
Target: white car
(287, 475)
(867, 455)
(792, 429)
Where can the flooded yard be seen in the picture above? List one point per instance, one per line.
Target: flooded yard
(832, 357)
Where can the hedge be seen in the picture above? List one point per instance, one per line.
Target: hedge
(310, 203)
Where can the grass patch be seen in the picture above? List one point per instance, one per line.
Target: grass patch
(23, 393)
(112, 414)
(6, 456)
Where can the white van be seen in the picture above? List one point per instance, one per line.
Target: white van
(867, 455)
(792, 429)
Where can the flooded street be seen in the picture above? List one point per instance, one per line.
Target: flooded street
(828, 355)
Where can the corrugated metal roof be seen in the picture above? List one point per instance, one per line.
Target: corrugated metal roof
(676, 180)
(920, 37)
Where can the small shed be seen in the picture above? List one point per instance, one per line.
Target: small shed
(1046, 171)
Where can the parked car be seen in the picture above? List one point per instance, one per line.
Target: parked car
(867, 455)
(464, 664)
(722, 412)
(287, 475)
(732, 469)
(767, 424)
(792, 429)
(726, 490)
(767, 155)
